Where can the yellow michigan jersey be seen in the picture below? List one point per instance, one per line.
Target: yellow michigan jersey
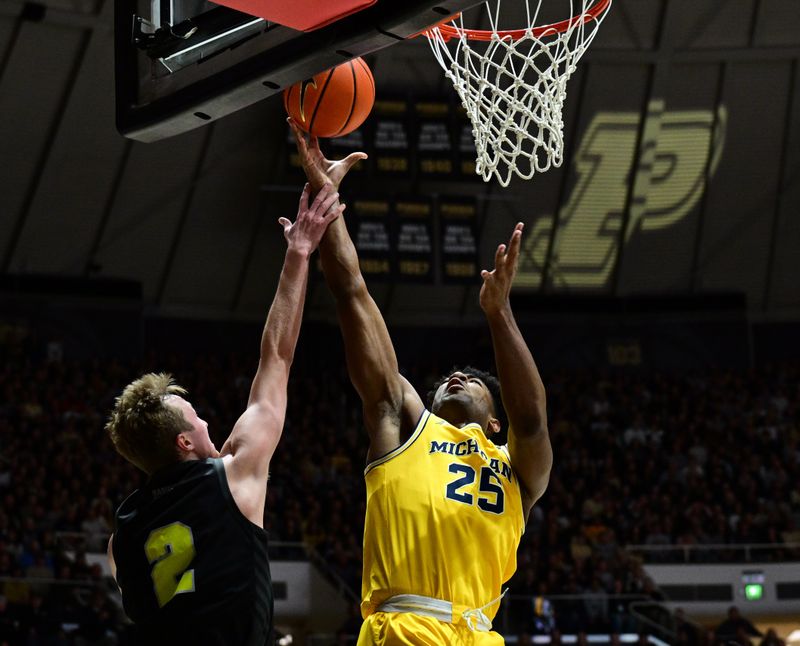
(444, 519)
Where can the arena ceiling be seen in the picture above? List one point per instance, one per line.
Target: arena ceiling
(681, 176)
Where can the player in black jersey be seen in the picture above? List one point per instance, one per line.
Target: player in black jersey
(189, 551)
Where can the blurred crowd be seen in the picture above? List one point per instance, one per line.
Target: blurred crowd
(645, 460)
(658, 461)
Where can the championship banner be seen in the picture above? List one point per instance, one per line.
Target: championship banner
(465, 148)
(459, 240)
(391, 139)
(369, 225)
(435, 154)
(414, 239)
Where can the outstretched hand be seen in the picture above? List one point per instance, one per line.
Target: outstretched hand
(306, 231)
(321, 171)
(497, 283)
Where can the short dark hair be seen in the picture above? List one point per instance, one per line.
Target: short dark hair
(491, 382)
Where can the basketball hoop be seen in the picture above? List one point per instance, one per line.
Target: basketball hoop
(513, 83)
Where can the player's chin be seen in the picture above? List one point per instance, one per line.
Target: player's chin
(457, 397)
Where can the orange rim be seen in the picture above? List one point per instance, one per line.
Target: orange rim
(442, 23)
(448, 31)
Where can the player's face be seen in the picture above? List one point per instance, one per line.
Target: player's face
(203, 447)
(466, 392)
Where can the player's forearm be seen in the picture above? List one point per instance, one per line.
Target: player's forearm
(523, 391)
(282, 328)
(371, 360)
(340, 260)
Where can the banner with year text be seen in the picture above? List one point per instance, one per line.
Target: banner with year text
(458, 233)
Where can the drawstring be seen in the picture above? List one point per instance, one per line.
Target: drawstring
(477, 613)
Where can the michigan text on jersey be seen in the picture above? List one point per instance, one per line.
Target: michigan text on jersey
(468, 447)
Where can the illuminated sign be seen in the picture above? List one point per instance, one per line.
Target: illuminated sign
(678, 148)
(753, 582)
(753, 591)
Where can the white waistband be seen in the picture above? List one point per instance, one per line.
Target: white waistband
(436, 608)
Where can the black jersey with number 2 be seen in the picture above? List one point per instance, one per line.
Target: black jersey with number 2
(191, 567)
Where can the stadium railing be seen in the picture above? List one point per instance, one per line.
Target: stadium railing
(718, 553)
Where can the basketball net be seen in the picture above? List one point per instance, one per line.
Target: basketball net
(513, 84)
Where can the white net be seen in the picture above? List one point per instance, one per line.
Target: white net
(513, 90)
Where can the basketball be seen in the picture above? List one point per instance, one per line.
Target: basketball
(334, 102)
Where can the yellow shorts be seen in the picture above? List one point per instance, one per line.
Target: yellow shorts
(401, 628)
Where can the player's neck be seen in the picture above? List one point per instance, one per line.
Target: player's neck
(457, 417)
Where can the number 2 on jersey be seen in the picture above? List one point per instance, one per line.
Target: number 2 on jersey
(170, 550)
(489, 484)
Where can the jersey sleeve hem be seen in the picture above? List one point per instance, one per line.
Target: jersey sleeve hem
(504, 448)
(219, 467)
(423, 419)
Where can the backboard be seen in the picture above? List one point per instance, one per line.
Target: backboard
(181, 64)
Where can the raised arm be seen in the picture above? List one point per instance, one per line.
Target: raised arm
(521, 386)
(391, 405)
(249, 449)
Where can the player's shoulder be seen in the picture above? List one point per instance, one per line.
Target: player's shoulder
(131, 503)
(173, 480)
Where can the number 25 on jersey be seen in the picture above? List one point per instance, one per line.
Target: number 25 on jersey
(490, 490)
(170, 550)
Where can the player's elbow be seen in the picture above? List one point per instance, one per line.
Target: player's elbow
(536, 470)
(536, 485)
(527, 412)
(274, 367)
(258, 431)
(270, 411)
(530, 425)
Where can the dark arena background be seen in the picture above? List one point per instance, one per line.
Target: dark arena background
(658, 289)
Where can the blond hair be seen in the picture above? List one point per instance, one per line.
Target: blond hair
(143, 427)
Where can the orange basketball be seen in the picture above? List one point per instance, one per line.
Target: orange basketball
(334, 102)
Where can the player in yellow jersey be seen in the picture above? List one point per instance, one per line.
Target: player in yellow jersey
(446, 507)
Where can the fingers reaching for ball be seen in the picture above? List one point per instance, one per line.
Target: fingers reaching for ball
(305, 233)
(497, 283)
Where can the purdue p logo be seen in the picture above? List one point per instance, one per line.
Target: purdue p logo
(678, 149)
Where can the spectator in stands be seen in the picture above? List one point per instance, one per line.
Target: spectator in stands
(688, 632)
(96, 527)
(736, 627)
(9, 623)
(709, 413)
(351, 625)
(772, 639)
(35, 616)
(343, 638)
(544, 621)
(619, 619)
(682, 637)
(596, 604)
(742, 639)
